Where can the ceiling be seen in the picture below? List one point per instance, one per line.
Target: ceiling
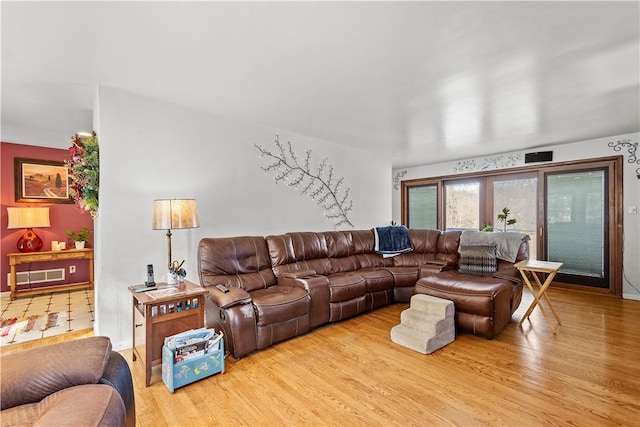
(422, 81)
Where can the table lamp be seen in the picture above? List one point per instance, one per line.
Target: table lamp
(28, 218)
(173, 214)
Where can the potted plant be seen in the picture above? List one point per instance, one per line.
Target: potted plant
(504, 217)
(80, 237)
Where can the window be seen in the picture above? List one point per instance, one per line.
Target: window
(462, 205)
(423, 207)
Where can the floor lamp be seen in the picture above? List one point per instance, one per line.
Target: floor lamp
(174, 214)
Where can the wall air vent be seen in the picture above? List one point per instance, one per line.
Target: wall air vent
(38, 276)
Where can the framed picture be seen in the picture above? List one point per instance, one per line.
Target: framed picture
(45, 181)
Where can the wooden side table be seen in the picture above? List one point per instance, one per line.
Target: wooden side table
(157, 315)
(16, 258)
(533, 267)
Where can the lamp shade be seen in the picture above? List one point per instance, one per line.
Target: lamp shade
(28, 217)
(172, 214)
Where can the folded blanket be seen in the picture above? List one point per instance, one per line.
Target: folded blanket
(507, 243)
(392, 240)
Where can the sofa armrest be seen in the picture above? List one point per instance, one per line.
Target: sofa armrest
(31, 375)
(435, 266)
(118, 375)
(235, 296)
(318, 288)
(508, 271)
(302, 274)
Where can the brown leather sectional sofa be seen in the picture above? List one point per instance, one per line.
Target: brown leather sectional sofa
(281, 286)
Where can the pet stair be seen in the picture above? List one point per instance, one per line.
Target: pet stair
(427, 325)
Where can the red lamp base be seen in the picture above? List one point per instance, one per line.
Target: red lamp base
(29, 242)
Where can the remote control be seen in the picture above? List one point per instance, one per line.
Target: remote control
(145, 288)
(222, 288)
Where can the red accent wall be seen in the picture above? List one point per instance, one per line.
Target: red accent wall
(63, 217)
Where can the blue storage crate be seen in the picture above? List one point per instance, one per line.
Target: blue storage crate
(176, 375)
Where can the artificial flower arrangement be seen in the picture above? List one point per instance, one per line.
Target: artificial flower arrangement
(84, 172)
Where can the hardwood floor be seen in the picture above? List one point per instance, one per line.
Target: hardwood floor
(350, 373)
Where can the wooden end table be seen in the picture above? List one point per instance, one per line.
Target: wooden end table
(157, 315)
(533, 267)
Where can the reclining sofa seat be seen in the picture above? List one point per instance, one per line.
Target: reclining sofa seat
(257, 311)
(331, 255)
(373, 267)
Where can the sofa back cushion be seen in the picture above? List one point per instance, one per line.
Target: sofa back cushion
(339, 244)
(298, 251)
(340, 251)
(242, 262)
(364, 248)
(448, 242)
(31, 375)
(425, 246)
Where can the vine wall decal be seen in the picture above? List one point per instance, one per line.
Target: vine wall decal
(495, 162)
(320, 183)
(396, 179)
(632, 147)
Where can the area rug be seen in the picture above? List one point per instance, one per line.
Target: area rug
(15, 327)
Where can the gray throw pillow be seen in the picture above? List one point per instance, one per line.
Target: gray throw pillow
(478, 259)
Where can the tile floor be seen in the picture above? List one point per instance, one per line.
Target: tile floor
(74, 313)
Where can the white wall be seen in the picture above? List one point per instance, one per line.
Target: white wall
(574, 151)
(151, 150)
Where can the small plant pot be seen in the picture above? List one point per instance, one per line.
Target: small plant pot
(80, 245)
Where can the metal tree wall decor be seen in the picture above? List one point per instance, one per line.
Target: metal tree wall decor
(318, 183)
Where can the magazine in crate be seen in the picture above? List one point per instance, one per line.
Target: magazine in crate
(193, 343)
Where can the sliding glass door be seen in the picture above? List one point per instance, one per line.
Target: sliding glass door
(575, 231)
(518, 193)
(572, 212)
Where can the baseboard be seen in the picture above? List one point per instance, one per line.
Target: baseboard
(635, 297)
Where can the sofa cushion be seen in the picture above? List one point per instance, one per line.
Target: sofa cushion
(84, 405)
(29, 376)
(235, 261)
(364, 245)
(471, 294)
(377, 279)
(478, 259)
(280, 303)
(340, 251)
(346, 286)
(363, 241)
(339, 243)
(425, 246)
(404, 277)
(448, 242)
(297, 252)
